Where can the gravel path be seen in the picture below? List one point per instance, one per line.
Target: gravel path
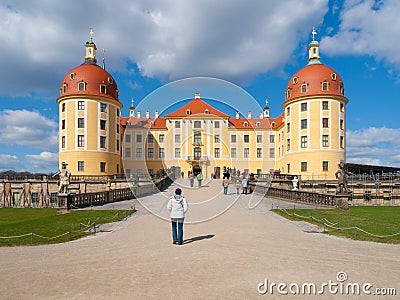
(225, 257)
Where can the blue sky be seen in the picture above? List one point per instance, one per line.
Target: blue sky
(257, 45)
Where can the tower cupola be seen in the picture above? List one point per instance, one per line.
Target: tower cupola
(90, 47)
(313, 50)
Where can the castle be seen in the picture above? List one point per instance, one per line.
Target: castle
(308, 138)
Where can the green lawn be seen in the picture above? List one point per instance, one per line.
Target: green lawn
(46, 222)
(378, 220)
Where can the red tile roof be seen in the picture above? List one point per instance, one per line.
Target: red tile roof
(153, 123)
(198, 108)
(251, 123)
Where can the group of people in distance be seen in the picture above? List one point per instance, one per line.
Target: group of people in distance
(238, 183)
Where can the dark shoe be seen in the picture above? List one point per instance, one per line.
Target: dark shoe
(175, 242)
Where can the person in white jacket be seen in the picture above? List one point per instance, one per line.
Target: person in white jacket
(178, 206)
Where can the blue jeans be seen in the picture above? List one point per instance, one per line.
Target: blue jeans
(225, 190)
(177, 235)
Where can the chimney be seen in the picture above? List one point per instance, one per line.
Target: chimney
(237, 115)
(147, 115)
(156, 114)
(249, 115)
(138, 114)
(197, 96)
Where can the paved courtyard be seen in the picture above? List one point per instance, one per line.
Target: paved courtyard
(224, 257)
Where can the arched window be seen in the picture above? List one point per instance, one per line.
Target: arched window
(206, 112)
(82, 86)
(325, 86)
(188, 112)
(333, 76)
(304, 88)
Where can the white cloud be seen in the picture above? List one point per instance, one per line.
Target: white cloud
(375, 146)
(367, 27)
(168, 40)
(44, 159)
(9, 162)
(27, 128)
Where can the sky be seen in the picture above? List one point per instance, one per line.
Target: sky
(257, 45)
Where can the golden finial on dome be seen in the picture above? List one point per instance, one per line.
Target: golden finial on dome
(91, 34)
(313, 32)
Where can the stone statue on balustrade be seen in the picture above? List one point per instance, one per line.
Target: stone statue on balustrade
(342, 177)
(64, 175)
(295, 182)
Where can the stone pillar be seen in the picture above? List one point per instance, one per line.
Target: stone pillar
(63, 201)
(342, 201)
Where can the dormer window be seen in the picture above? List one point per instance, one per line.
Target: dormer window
(245, 124)
(341, 88)
(82, 86)
(258, 124)
(206, 111)
(304, 88)
(103, 89)
(295, 80)
(289, 93)
(110, 80)
(188, 112)
(72, 76)
(116, 94)
(333, 76)
(273, 124)
(325, 86)
(65, 88)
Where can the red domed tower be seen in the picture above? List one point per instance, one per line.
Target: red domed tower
(312, 140)
(89, 118)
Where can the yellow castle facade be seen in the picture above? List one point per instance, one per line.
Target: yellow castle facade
(307, 138)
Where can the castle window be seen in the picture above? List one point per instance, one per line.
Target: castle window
(273, 124)
(295, 80)
(259, 153)
(72, 76)
(288, 145)
(325, 105)
(246, 138)
(116, 94)
(161, 138)
(110, 80)
(62, 124)
(341, 107)
(233, 138)
(233, 152)
(188, 112)
(325, 86)
(81, 141)
(342, 124)
(246, 152)
(259, 138)
(103, 107)
(150, 138)
(197, 124)
(341, 88)
(81, 123)
(139, 138)
(102, 142)
(197, 153)
(271, 152)
(161, 153)
(177, 152)
(102, 124)
(127, 138)
(177, 124)
(81, 105)
(216, 153)
(303, 106)
(81, 166)
(304, 166)
(289, 93)
(206, 112)
(63, 107)
(177, 138)
(288, 127)
(304, 141)
(325, 166)
(272, 139)
(325, 122)
(304, 88)
(216, 138)
(103, 89)
(150, 152)
(333, 76)
(139, 152)
(82, 86)
(65, 87)
(288, 111)
(63, 142)
(102, 166)
(342, 142)
(197, 137)
(245, 124)
(325, 141)
(216, 124)
(304, 124)
(258, 124)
